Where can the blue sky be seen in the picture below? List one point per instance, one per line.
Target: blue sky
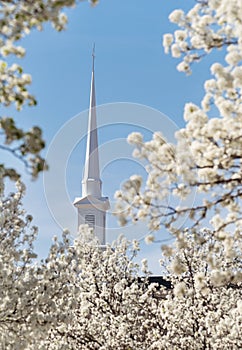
(130, 67)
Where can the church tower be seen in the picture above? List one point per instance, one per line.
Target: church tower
(92, 206)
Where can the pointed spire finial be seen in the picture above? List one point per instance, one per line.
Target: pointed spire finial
(93, 56)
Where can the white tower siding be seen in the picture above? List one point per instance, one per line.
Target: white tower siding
(95, 219)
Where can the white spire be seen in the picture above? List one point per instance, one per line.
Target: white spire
(92, 206)
(91, 183)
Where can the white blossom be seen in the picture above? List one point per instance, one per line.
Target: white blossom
(149, 239)
(176, 16)
(167, 41)
(135, 138)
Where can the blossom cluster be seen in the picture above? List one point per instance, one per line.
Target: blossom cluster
(209, 25)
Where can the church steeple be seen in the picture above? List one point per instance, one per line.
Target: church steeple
(92, 206)
(91, 183)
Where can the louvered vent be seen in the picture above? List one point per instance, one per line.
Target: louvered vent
(90, 220)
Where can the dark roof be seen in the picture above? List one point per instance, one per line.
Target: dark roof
(158, 280)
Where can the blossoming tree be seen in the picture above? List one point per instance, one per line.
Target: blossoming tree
(79, 297)
(207, 157)
(204, 309)
(23, 299)
(205, 266)
(109, 307)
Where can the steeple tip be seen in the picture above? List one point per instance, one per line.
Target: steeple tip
(93, 56)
